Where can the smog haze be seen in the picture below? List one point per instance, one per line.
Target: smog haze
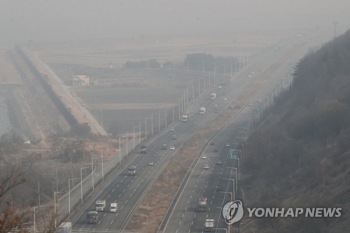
(43, 20)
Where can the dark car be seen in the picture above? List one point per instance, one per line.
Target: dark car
(174, 137)
(219, 188)
(215, 149)
(92, 217)
(219, 162)
(212, 143)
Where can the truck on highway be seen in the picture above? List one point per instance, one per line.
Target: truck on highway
(92, 217)
(213, 96)
(202, 110)
(143, 149)
(184, 118)
(65, 227)
(100, 205)
(202, 204)
(209, 225)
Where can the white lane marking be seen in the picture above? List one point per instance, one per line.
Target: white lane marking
(124, 190)
(113, 190)
(119, 195)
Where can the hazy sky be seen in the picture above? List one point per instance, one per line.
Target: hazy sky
(21, 20)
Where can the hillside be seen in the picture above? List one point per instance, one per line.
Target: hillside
(299, 155)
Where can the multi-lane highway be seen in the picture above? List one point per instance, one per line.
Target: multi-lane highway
(127, 190)
(219, 182)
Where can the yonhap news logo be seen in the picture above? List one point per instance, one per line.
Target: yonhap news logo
(233, 211)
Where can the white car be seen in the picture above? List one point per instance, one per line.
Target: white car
(227, 145)
(172, 129)
(113, 208)
(172, 148)
(220, 87)
(225, 98)
(150, 163)
(206, 166)
(204, 157)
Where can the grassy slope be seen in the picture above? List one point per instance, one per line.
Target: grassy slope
(299, 155)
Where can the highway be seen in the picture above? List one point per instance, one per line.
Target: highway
(127, 190)
(184, 217)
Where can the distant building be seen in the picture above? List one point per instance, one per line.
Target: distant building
(81, 80)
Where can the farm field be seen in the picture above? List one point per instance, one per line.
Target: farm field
(119, 97)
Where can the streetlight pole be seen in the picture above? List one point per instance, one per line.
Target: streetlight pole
(229, 227)
(81, 183)
(134, 135)
(159, 120)
(92, 173)
(55, 205)
(203, 66)
(234, 187)
(120, 150)
(214, 72)
(165, 120)
(126, 143)
(173, 114)
(103, 176)
(139, 132)
(238, 167)
(199, 86)
(37, 207)
(68, 193)
(209, 78)
(146, 128)
(152, 124)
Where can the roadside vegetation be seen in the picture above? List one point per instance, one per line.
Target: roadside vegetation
(299, 154)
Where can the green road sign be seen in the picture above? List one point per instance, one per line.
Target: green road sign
(232, 154)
